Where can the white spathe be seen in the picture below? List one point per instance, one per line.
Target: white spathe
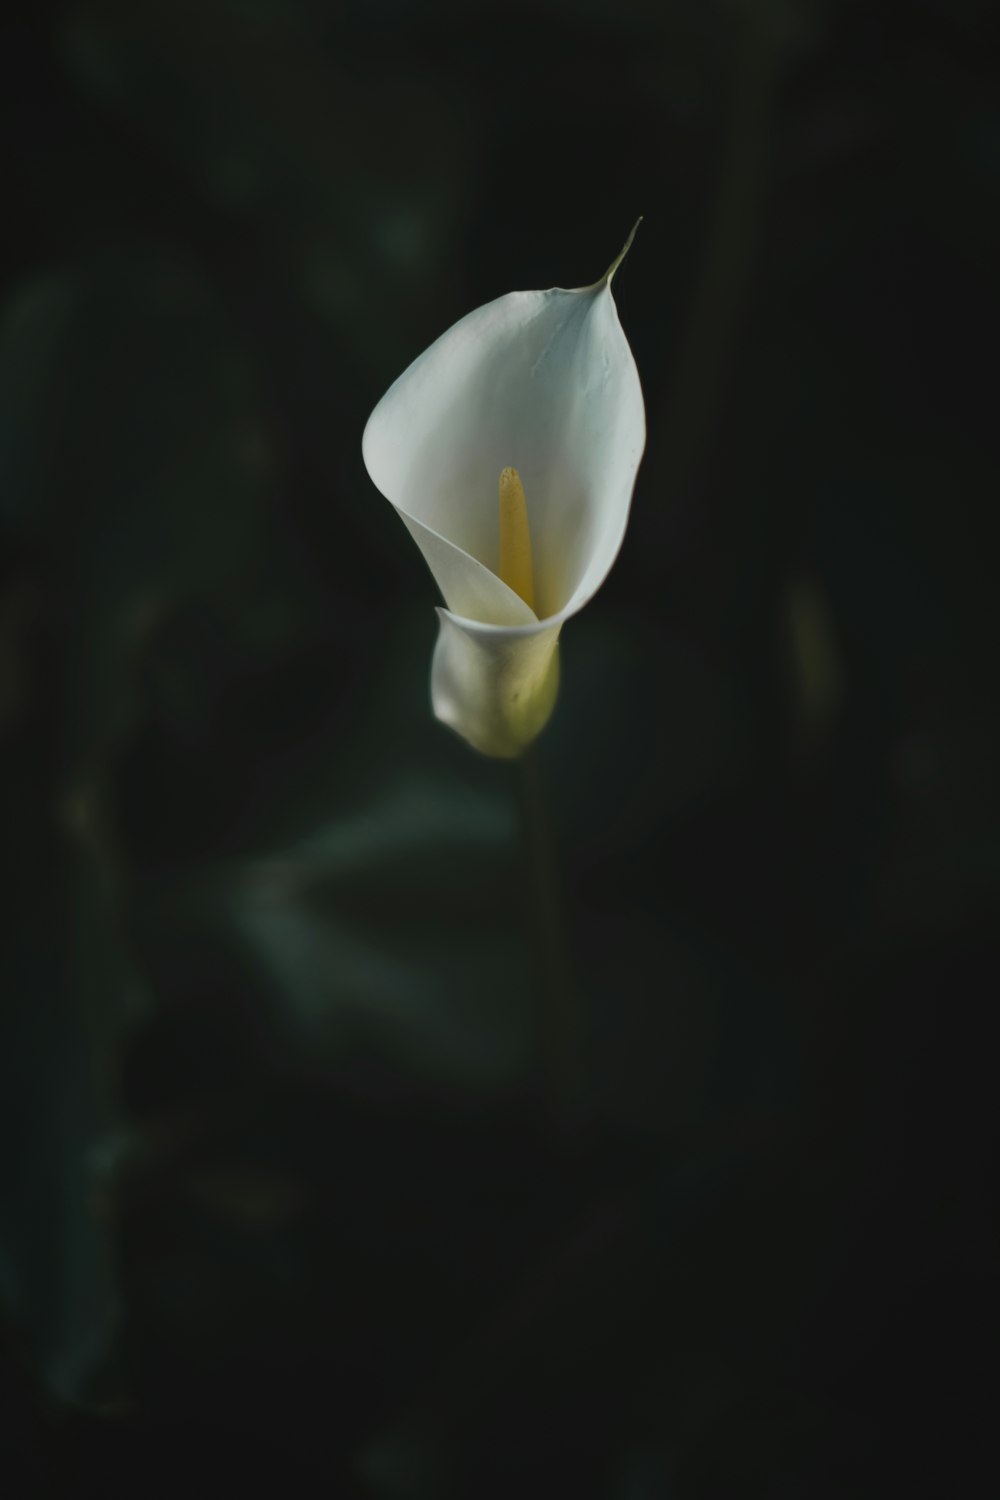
(544, 382)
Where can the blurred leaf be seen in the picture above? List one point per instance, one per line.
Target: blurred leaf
(130, 468)
(393, 934)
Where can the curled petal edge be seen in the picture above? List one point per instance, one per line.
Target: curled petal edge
(495, 686)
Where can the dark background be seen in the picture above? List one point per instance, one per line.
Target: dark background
(281, 1198)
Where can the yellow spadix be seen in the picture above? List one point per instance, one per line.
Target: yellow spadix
(515, 538)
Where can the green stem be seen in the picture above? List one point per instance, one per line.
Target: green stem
(559, 1017)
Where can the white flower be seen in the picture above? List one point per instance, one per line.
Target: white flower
(510, 449)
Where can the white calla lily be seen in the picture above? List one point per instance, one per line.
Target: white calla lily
(510, 449)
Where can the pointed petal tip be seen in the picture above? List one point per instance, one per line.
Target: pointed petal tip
(609, 273)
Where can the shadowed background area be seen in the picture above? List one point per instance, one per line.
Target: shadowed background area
(280, 1195)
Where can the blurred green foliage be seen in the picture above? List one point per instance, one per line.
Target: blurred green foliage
(279, 1197)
